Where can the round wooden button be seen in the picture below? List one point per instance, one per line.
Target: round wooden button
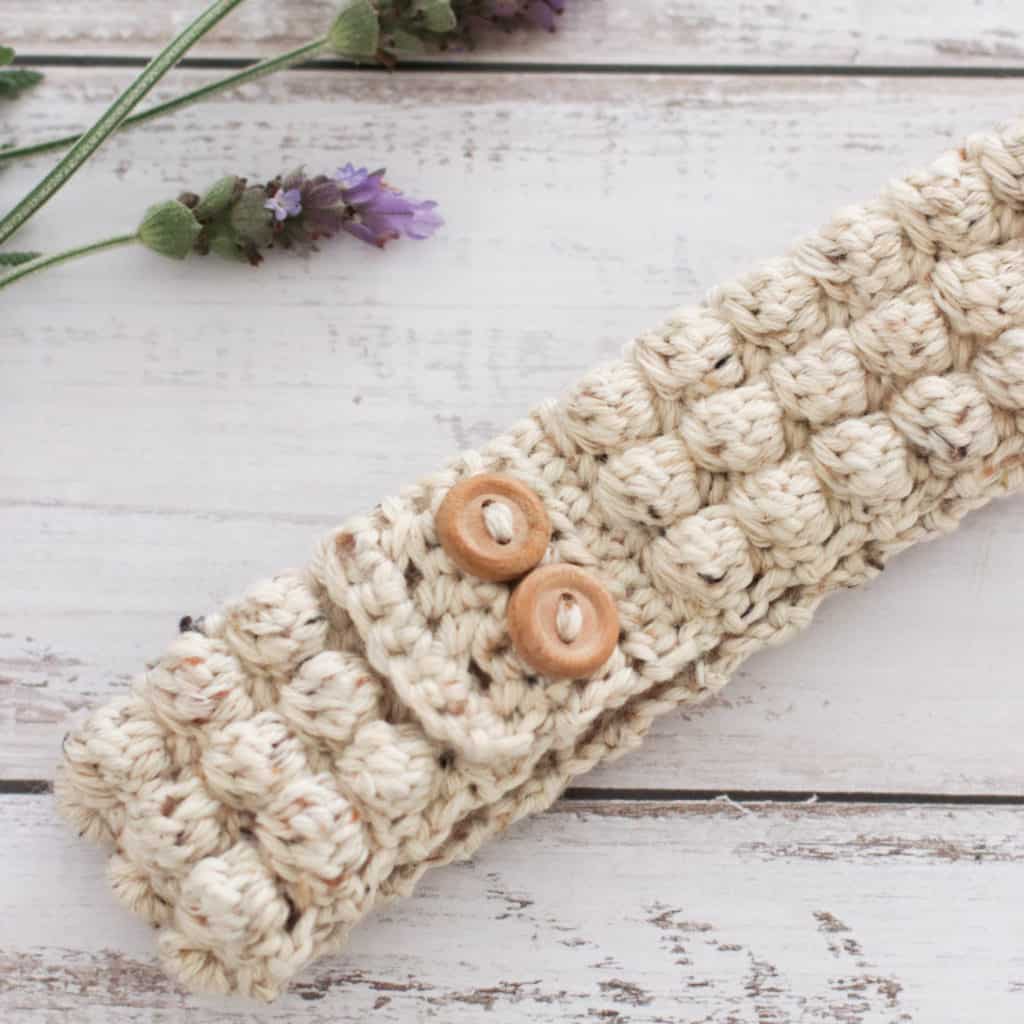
(562, 621)
(494, 527)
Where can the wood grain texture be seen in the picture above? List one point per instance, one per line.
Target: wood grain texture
(639, 913)
(172, 433)
(948, 33)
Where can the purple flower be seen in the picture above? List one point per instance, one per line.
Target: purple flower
(321, 211)
(236, 220)
(285, 203)
(295, 210)
(543, 13)
(378, 213)
(349, 176)
(412, 26)
(324, 208)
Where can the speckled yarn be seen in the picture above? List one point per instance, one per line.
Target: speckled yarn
(313, 748)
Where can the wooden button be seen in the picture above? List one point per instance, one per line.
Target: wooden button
(562, 621)
(494, 527)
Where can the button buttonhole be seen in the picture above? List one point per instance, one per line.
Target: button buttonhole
(568, 618)
(499, 520)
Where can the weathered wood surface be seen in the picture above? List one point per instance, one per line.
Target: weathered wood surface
(946, 33)
(170, 434)
(639, 913)
(910, 685)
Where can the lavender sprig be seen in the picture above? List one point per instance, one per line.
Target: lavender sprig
(240, 221)
(414, 26)
(114, 116)
(365, 31)
(296, 210)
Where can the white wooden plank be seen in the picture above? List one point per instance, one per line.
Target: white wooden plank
(617, 912)
(662, 32)
(171, 433)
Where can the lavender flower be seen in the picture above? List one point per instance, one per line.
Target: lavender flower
(545, 12)
(237, 220)
(350, 176)
(379, 213)
(285, 203)
(322, 210)
(385, 29)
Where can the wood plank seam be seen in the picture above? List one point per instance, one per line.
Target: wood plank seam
(421, 66)
(582, 794)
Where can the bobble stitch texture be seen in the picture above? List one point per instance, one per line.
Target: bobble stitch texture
(653, 483)
(308, 752)
(329, 697)
(736, 430)
(823, 382)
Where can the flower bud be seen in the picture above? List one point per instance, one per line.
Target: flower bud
(400, 43)
(219, 197)
(252, 222)
(356, 30)
(222, 241)
(169, 229)
(437, 15)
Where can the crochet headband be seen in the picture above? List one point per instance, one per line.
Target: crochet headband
(451, 661)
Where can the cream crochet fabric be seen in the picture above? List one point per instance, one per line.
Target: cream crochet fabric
(309, 751)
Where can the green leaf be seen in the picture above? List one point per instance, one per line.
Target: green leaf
(15, 259)
(6, 55)
(110, 121)
(250, 73)
(14, 81)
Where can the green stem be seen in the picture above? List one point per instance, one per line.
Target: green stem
(63, 257)
(249, 74)
(118, 111)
